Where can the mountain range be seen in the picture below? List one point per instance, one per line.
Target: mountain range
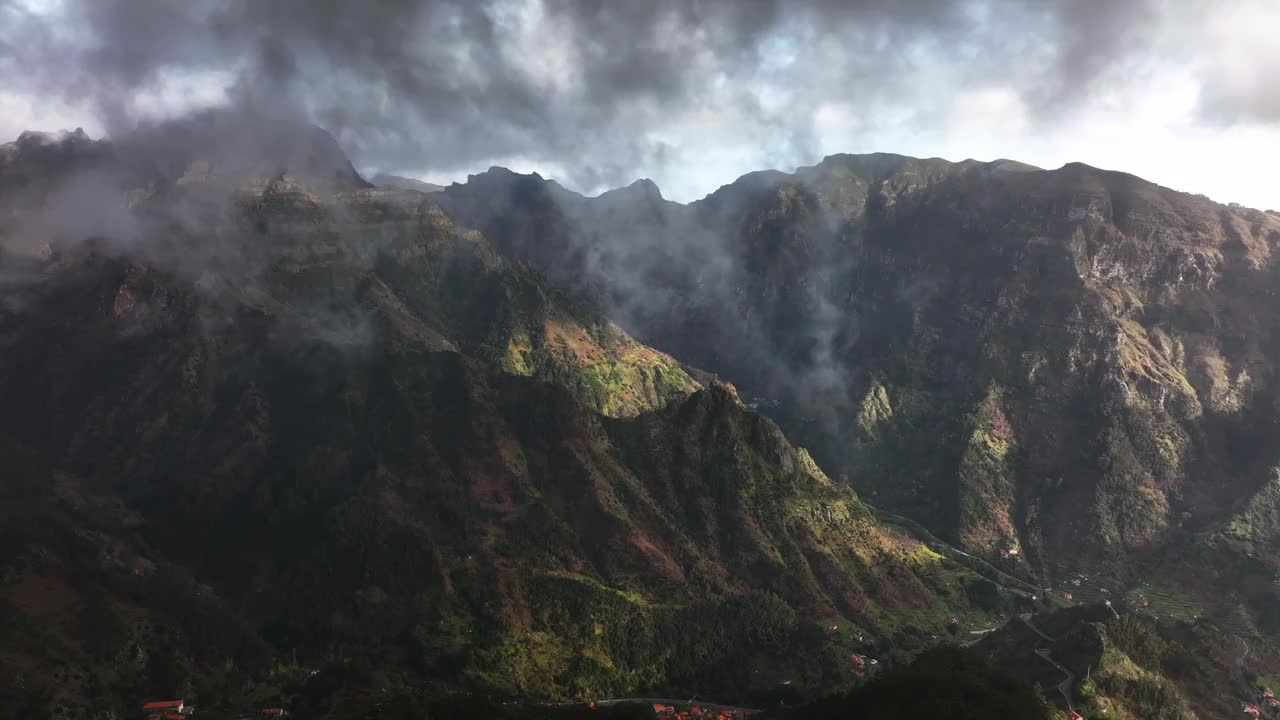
(1069, 364)
(278, 435)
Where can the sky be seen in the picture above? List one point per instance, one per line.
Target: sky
(689, 93)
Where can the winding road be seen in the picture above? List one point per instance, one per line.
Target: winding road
(930, 540)
(1065, 686)
(1245, 685)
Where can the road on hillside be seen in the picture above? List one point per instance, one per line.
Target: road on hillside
(1242, 674)
(915, 527)
(1026, 618)
(980, 634)
(1065, 686)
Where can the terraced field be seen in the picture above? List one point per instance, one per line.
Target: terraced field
(1165, 599)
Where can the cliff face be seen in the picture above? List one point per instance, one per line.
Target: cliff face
(1071, 363)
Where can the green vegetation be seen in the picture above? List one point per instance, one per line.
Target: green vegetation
(946, 682)
(1128, 667)
(1131, 506)
(620, 388)
(1256, 526)
(985, 479)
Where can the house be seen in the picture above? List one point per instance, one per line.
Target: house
(160, 709)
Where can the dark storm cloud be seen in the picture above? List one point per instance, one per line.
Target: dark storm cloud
(585, 84)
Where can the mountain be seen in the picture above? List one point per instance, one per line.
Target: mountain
(278, 435)
(1064, 372)
(270, 419)
(404, 183)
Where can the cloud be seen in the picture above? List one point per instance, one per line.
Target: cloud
(1240, 74)
(605, 90)
(989, 109)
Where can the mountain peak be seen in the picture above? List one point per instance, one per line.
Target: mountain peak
(33, 138)
(235, 145)
(1007, 165)
(645, 185)
(642, 188)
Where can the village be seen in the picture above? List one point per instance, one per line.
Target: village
(669, 712)
(179, 710)
(1268, 699)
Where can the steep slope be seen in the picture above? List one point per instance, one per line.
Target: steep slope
(90, 618)
(1130, 665)
(960, 685)
(368, 437)
(1073, 364)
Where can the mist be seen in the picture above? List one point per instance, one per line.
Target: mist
(213, 204)
(221, 91)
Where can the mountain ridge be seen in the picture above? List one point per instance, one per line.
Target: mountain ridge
(998, 164)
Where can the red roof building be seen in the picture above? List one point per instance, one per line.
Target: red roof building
(166, 710)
